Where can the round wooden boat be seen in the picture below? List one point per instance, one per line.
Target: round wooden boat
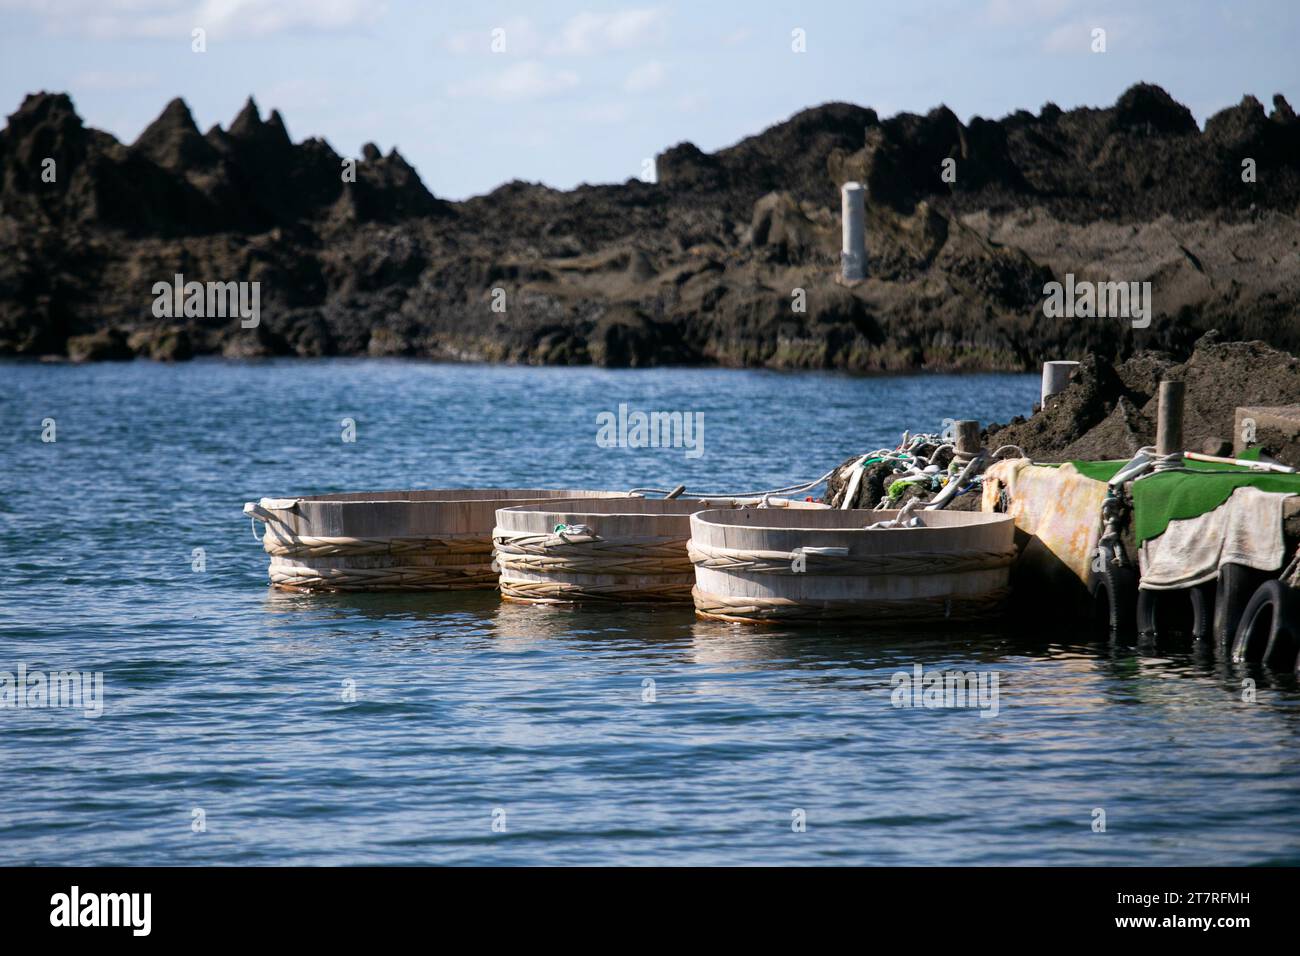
(438, 540)
(755, 566)
(631, 550)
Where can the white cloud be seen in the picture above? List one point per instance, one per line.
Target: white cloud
(1068, 38)
(581, 35)
(115, 80)
(648, 76)
(589, 33)
(154, 19)
(692, 102)
(736, 37)
(1018, 11)
(299, 94)
(605, 113)
(529, 80)
(256, 18)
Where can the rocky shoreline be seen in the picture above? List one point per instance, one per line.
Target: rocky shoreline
(1108, 413)
(707, 266)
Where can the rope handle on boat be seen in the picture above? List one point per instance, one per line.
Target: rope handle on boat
(257, 511)
(255, 514)
(504, 540)
(575, 533)
(842, 562)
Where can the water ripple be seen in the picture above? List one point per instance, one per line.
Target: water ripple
(224, 700)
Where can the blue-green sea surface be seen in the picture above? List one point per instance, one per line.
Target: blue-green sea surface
(486, 732)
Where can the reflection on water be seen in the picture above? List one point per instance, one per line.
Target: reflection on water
(387, 728)
(1084, 674)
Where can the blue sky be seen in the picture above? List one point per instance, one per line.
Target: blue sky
(586, 91)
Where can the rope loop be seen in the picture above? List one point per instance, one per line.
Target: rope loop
(818, 561)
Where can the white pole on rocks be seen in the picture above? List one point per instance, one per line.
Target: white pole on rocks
(853, 213)
(1056, 378)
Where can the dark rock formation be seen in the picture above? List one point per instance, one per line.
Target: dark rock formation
(106, 345)
(729, 258)
(1109, 412)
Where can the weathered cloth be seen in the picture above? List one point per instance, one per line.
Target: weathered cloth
(1057, 505)
(1173, 495)
(1245, 529)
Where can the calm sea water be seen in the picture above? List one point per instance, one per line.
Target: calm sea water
(223, 696)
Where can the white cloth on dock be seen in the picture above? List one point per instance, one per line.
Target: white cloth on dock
(1245, 529)
(1057, 512)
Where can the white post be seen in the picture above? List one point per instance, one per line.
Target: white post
(1056, 378)
(853, 256)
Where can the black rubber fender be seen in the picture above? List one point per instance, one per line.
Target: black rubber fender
(1203, 603)
(1269, 631)
(1114, 600)
(1235, 587)
(1189, 611)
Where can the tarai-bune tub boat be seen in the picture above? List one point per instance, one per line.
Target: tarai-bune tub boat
(624, 550)
(390, 540)
(764, 565)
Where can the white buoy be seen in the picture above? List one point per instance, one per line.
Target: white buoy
(1056, 378)
(853, 256)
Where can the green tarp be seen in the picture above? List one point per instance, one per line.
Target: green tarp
(1169, 496)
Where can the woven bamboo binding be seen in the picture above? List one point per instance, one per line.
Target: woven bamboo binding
(402, 576)
(910, 563)
(307, 546)
(629, 558)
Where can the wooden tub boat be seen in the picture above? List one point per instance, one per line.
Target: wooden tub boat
(631, 550)
(437, 540)
(757, 565)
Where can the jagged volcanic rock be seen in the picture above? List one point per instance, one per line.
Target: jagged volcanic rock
(729, 258)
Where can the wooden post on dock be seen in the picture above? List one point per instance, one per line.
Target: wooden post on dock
(967, 441)
(1169, 419)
